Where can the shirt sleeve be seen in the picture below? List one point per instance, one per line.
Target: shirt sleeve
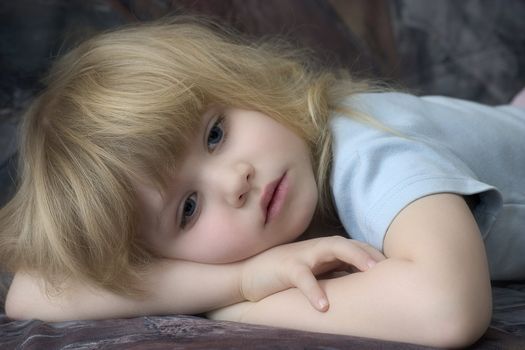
(376, 174)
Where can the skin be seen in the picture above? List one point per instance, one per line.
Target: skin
(433, 288)
(224, 179)
(235, 155)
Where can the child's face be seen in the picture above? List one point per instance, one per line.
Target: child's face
(246, 184)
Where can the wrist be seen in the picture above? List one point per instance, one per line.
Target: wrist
(244, 280)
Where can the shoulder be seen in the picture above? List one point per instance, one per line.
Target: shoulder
(376, 173)
(403, 110)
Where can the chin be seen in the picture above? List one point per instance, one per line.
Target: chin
(300, 228)
(232, 257)
(306, 219)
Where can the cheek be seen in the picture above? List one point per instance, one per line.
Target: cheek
(217, 239)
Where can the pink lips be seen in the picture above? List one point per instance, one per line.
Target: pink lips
(273, 197)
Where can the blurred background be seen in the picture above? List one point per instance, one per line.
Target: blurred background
(472, 49)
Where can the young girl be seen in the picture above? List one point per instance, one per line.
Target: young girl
(166, 168)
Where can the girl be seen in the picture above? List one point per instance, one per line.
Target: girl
(166, 166)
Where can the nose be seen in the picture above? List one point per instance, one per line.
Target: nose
(237, 183)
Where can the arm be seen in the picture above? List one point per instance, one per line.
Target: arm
(171, 287)
(174, 286)
(432, 289)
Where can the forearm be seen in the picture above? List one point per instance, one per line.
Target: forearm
(190, 288)
(170, 287)
(396, 300)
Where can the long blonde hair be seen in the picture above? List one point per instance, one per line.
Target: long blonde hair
(121, 106)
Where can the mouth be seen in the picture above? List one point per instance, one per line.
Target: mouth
(273, 198)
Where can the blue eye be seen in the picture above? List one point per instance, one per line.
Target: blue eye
(216, 134)
(188, 209)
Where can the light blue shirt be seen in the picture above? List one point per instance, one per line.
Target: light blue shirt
(445, 145)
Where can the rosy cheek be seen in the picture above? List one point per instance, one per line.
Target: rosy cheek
(224, 240)
(217, 240)
(204, 242)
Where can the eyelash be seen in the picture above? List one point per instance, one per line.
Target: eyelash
(220, 121)
(183, 221)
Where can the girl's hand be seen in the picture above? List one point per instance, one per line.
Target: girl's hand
(297, 265)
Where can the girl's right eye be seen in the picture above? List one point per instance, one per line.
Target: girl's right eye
(216, 134)
(189, 210)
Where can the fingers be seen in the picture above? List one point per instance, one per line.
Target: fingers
(348, 251)
(376, 254)
(306, 282)
(329, 253)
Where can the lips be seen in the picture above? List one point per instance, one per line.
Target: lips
(273, 198)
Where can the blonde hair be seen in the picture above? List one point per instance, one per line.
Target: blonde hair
(120, 107)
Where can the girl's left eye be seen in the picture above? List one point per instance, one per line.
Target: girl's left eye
(216, 134)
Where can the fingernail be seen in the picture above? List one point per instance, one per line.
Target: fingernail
(370, 263)
(323, 303)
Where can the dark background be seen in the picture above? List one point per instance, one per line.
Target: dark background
(472, 49)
